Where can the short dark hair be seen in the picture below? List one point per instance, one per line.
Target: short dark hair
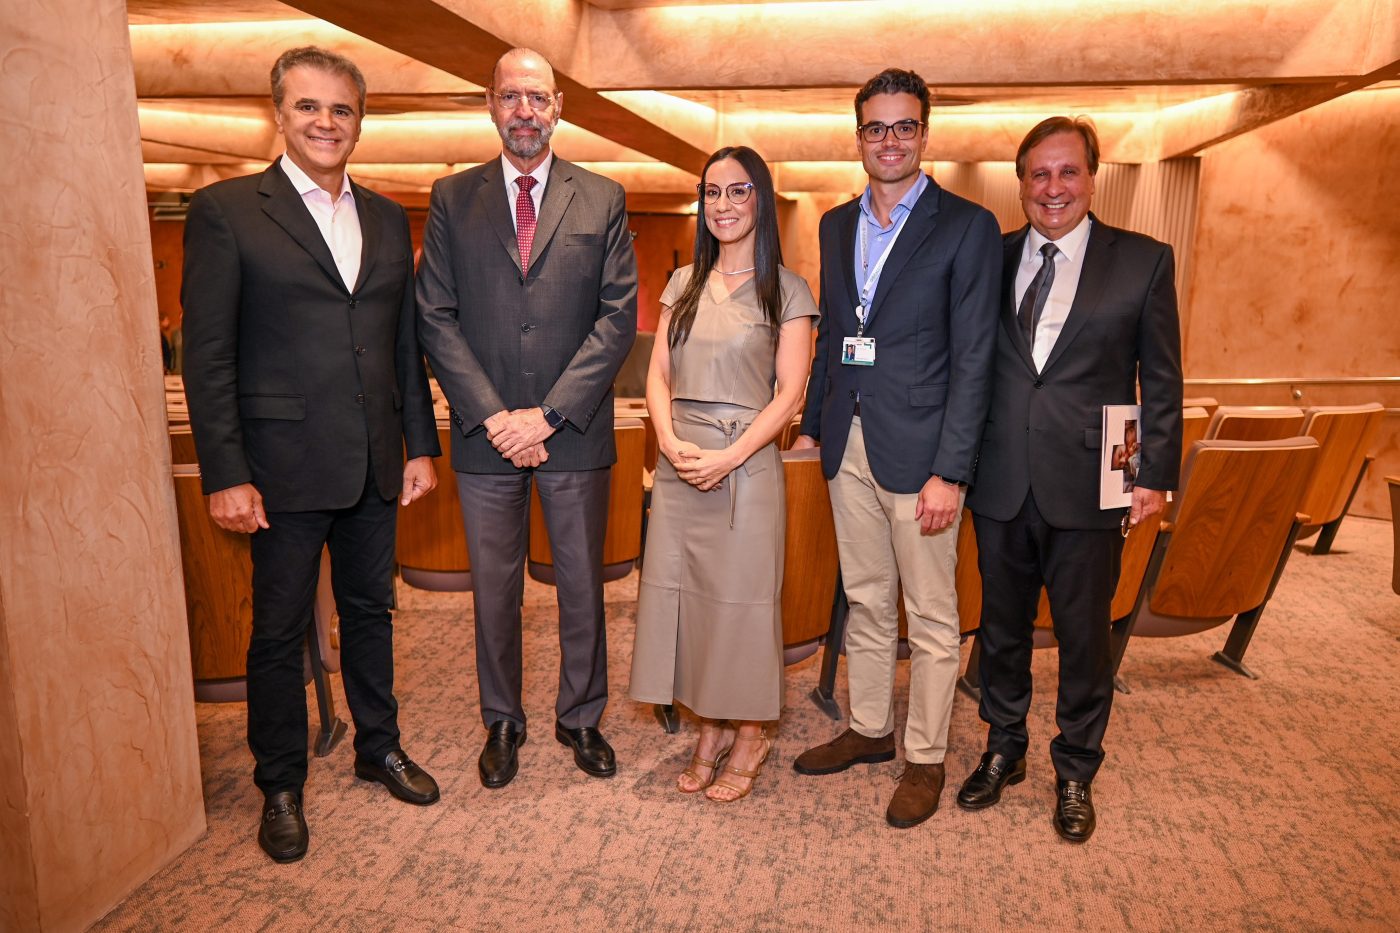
(1052, 125)
(895, 81)
(312, 57)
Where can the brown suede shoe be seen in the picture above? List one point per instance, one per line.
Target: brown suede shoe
(916, 797)
(848, 748)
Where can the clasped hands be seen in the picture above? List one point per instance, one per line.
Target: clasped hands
(703, 469)
(519, 435)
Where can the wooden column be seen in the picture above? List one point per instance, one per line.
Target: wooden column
(99, 764)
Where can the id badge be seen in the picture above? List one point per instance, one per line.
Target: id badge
(858, 351)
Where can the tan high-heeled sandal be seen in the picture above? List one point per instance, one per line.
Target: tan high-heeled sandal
(741, 793)
(697, 762)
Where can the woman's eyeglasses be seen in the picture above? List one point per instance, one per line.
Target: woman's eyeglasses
(737, 193)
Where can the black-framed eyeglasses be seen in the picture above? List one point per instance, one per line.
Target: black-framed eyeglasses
(536, 99)
(876, 131)
(737, 193)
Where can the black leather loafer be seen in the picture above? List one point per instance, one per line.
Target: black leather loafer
(283, 834)
(1074, 810)
(983, 787)
(592, 753)
(498, 762)
(404, 779)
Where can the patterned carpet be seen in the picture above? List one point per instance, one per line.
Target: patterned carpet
(1225, 803)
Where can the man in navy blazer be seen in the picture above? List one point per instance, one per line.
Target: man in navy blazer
(1088, 317)
(306, 387)
(897, 399)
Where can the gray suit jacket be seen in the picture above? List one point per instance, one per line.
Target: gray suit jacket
(1044, 431)
(497, 340)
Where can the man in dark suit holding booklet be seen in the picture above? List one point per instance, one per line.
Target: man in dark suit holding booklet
(1088, 316)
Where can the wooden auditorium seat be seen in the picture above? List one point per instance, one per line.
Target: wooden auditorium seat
(432, 542)
(1222, 551)
(218, 571)
(1345, 434)
(1394, 483)
(1203, 401)
(623, 546)
(182, 444)
(810, 566)
(1255, 422)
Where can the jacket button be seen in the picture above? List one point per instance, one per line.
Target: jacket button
(1039, 384)
(524, 328)
(853, 393)
(359, 400)
(359, 351)
(353, 302)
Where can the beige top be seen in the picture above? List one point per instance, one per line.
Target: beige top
(730, 355)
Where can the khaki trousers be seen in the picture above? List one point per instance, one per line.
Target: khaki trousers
(880, 545)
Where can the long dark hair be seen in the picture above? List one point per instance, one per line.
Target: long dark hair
(767, 253)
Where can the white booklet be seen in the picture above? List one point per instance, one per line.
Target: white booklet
(1120, 456)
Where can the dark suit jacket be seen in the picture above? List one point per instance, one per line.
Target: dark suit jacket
(297, 384)
(555, 338)
(933, 318)
(1044, 432)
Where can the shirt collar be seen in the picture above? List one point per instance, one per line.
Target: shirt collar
(302, 181)
(1071, 244)
(905, 205)
(540, 174)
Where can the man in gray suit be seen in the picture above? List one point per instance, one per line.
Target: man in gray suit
(527, 303)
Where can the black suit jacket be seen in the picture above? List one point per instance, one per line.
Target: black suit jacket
(1044, 431)
(933, 318)
(556, 337)
(295, 383)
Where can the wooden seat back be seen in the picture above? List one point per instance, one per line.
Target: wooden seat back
(623, 544)
(1255, 422)
(1237, 507)
(431, 536)
(1202, 401)
(218, 568)
(1345, 434)
(810, 563)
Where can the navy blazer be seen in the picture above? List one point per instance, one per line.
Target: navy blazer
(296, 383)
(1044, 431)
(933, 318)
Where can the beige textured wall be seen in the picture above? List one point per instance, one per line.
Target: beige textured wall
(1297, 264)
(99, 764)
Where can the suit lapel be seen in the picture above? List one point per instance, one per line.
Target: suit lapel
(1010, 264)
(558, 192)
(847, 229)
(492, 188)
(286, 208)
(923, 218)
(369, 232)
(1098, 264)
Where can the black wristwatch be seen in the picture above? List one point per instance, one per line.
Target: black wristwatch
(552, 417)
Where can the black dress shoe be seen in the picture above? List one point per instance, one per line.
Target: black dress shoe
(984, 786)
(498, 762)
(283, 834)
(404, 779)
(592, 753)
(1074, 810)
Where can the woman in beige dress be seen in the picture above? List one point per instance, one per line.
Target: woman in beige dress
(727, 374)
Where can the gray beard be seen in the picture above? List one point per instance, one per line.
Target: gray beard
(526, 148)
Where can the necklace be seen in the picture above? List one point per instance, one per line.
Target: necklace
(735, 272)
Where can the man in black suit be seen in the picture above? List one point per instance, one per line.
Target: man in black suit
(527, 299)
(897, 398)
(1088, 316)
(305, 387)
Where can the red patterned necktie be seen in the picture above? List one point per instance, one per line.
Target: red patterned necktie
(525, 221)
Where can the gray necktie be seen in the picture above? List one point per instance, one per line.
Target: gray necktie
(1033, 301)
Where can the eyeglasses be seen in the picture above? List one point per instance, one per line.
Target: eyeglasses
(876, 132)
(737, 193)
(536, 99)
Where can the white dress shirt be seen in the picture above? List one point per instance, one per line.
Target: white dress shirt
(512, 176)
(1069, 263)
(338, 219)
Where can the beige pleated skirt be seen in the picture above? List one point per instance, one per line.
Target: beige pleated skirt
(709, 624)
